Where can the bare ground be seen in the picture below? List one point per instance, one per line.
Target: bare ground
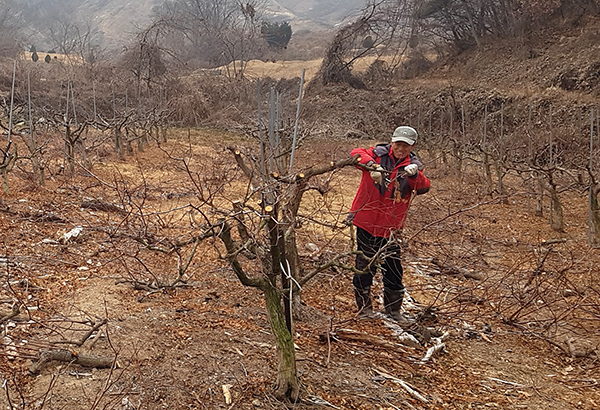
(178, 348)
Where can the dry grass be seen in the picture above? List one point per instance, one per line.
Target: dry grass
(293, 68)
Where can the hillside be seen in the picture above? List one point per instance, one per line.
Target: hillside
(556, 66)
(327, 13)
(119, 19)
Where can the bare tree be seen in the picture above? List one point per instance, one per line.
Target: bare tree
(65, 27)
(385, 27)
(9, 158)
(594, 212)
(216, 32)
(145, 58)
(10, 19)
(271, 237)
(465, 22)
(594, 186)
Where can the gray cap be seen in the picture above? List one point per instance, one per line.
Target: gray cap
(405, 134)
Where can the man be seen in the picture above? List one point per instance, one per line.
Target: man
(379, 211)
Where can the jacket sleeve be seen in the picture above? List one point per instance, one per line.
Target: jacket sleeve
(366, 154)
(419, 183)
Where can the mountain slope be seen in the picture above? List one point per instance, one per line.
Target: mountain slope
(118, 19)
(325, 12)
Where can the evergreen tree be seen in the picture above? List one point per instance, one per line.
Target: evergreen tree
(277, 35)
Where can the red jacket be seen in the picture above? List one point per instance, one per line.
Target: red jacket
(380, 210)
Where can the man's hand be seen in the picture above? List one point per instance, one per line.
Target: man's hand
(349, 219)
(377, 175)
(411, 169)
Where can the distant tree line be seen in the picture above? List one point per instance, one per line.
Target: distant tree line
(410, 28)
(465, 22)
(206, 33)
(57, 25)
(218, 32)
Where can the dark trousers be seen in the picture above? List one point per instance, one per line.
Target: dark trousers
(391, 266)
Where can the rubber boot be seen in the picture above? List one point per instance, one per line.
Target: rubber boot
(392, 300)
(363, 302)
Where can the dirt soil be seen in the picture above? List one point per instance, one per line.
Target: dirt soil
(179, 348)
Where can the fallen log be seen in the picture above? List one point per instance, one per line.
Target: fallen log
(68, 356)
(553, 241)
(98, 205)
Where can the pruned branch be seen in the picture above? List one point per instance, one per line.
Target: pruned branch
(86, 336)
(241, 163)
(67, 356)
(322, 169)
(356, 336)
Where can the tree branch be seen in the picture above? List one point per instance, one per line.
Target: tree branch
(232, 251)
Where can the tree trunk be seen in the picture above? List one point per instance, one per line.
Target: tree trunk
(5, 187)
(594, 223)
(539, 196)
(38, 169)
(69, 151)
(556, 214)
(500, 175)
(487, 167)
(292, 257)
(119, 143)
(36, 163)
(127, 141)
(278, 262)
(472, 28)
(289, 218)
(6, 166)
(287, 384)
(459, 161)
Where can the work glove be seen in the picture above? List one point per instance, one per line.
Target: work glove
(411, 169)
(377, 175)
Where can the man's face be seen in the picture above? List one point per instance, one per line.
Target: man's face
(401, 149)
